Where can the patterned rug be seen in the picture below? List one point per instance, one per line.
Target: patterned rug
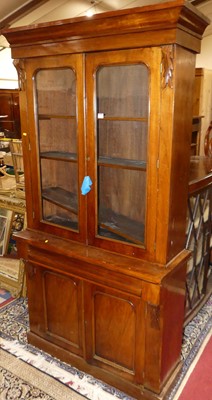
(21, 381)
(14, 327)
(5, 297)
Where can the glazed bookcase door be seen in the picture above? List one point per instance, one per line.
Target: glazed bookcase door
(57, 133)
(122, 163)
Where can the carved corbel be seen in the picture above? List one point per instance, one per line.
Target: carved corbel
(154, 312)
(167, 66)
(18, 64)
(31, 269)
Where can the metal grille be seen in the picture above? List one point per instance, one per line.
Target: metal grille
(199, 242)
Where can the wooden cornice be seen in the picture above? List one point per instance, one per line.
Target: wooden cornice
(33, 4)
(171, 15)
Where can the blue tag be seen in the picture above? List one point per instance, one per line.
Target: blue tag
(87, 182)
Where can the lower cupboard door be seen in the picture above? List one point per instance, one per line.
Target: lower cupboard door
(55, 307)
(114, 330)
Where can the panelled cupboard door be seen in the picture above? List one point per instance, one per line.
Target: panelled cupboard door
(114, 332)
(56, 145)
(123, 109)
(56, 314)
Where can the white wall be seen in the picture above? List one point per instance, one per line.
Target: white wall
(8, 73)
(204, 59)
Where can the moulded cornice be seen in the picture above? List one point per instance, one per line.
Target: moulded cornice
(165, 20)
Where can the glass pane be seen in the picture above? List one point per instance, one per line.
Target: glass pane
(116, 142)
(59, 188)
(123, 91)
(56, 92)
(121, 211)
(122, 134)
(56, 107)
(55, 133)
(56, 215)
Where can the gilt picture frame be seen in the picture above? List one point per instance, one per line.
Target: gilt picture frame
(5, 230)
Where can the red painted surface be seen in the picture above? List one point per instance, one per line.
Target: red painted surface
(199, 385)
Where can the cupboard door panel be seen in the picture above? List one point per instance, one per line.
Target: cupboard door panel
(62, 307)
(56, 307)
(113, 326)
(114, 334)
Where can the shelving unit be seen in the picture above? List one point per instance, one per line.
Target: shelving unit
(107, 110)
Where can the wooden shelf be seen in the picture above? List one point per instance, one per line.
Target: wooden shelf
(62, 198)
(65, 222)
(121, 226)
(122, 163)
(50, 116)
(59, 155)
(107, 118)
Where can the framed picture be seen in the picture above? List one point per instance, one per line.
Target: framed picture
(5, 230)
(17, 225)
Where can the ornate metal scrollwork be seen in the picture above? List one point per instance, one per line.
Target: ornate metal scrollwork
(167, 66)
(21, 74)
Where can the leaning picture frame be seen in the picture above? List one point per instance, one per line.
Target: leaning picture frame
(5, 230)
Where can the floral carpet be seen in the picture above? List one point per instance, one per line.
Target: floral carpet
(5, 297)
(14, 327)
(21, 381)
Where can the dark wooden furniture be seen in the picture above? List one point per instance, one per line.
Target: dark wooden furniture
(195, 136)
(198, 238)
(104, 99)
(202, 105)
(208, 141)
(10, 113)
